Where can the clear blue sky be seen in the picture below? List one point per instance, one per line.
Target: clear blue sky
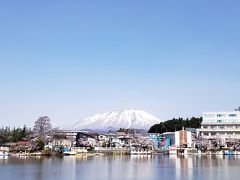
(72, 59)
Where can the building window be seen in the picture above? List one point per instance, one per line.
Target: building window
(209, 115)
(221, 115)
(219, 121)
(232, 115)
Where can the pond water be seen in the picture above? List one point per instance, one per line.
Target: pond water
(121, 167)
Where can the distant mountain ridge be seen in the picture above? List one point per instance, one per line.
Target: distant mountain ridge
(114, 120)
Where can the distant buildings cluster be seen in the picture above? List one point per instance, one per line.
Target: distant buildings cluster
(219, 130)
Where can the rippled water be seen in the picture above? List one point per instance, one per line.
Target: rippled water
(121, 167)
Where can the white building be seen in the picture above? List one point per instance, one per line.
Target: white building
(221, 125)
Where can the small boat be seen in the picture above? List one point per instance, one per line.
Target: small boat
(2, 153)
(227, 152)
(69, 153)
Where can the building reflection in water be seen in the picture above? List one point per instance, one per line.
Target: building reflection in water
(122, 167)
(183, 166)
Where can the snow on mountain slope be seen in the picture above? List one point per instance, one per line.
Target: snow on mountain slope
(128, 119)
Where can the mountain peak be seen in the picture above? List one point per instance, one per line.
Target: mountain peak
(114, 120)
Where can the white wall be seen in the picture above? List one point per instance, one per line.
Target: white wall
(177, 138)
(189, 139)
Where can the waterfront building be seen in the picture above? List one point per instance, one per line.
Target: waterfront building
(182, 138)
(4, 148)
(221, 125)
(170, 136)
(157, 139)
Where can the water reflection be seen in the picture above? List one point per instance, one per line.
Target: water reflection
(121, 167)
(3, 157)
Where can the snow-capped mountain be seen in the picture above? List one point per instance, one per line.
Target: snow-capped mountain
(128, 119)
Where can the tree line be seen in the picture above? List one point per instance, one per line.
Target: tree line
(176, 125)
(14, 135)
(42, 130)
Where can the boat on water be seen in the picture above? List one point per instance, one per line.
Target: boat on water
(229, 152)
(2, 153)
(70, 153)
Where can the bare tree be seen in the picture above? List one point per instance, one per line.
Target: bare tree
(42, 128)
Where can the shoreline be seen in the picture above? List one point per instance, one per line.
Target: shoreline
(40, 154)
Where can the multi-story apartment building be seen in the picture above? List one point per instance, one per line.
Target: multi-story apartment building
(221, 125)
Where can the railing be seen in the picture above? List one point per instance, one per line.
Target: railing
(220, 123)
(220, 130)
(110, 149)
(78, 148)
(221, 136)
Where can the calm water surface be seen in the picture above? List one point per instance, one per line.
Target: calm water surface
(121, 167)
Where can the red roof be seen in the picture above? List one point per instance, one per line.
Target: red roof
(24, 143)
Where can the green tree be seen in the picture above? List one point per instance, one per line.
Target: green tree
(14, 135)
(39, 144)
(175, 125)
